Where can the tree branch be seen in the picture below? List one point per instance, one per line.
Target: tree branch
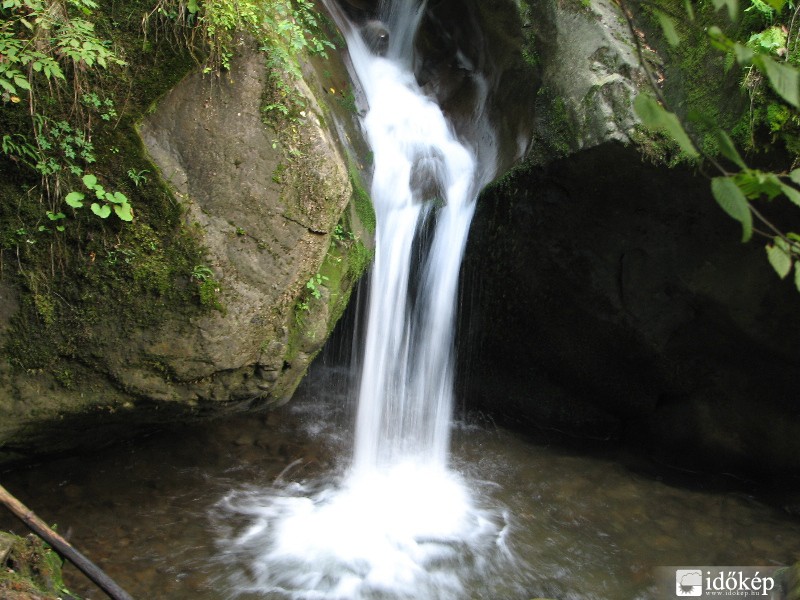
(62, 546)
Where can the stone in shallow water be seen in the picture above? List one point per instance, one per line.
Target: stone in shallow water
(376, 36)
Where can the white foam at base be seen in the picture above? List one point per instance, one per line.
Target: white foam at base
(407, 532)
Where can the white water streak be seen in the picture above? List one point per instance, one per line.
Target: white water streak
(405, 398)
(400, 525)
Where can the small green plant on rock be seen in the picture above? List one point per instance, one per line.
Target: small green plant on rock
(314, 284)
(138, 177)
(312, 290)
(208, 287)
(340, 235)
(111, 200)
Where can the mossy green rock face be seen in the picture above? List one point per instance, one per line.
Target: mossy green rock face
(29, 570)
(791, 583)
(264, 202)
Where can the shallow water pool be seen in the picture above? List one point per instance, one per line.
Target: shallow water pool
(576, 526)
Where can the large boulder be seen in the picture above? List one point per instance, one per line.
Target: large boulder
(266, 220)
(264, 201)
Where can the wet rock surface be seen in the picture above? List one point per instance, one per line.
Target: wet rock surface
(468, 50)
(611, 299)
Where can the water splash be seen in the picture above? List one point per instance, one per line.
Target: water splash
(399, 524)
(406, 532)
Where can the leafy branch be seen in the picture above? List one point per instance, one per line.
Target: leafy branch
(736, 187)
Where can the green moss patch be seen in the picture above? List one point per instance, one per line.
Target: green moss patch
(30, 569)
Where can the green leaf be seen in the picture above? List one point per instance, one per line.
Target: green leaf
(797, 276)
(795, 176)
(780, 258)
(791, 193)
(101, 211)
(192, 6)
(755, 183)
(654, 115)
(733, 7)
(89, 181)
(744, 55)
(689, 9)
(728, 149)
(118, 198)
(777, 5)
(784, 79)
(124, 211)
(22, 83)
(668, 27)
(74, 199)
(7, 86)
(732, 201)
(55, 216)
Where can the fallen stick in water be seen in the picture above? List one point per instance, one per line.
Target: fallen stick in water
(62, 546)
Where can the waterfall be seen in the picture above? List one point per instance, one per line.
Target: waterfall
(424, 186)
(400, 524)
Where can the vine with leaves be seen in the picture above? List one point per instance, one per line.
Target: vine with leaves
(769, 55)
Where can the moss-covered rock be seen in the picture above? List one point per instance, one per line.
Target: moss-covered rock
(590, 75)
(29, 570)
(191, 309)
(790, 582)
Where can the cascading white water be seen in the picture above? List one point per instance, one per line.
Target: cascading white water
(405, 399)
(400, 524)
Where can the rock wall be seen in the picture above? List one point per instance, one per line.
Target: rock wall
(609, 298)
